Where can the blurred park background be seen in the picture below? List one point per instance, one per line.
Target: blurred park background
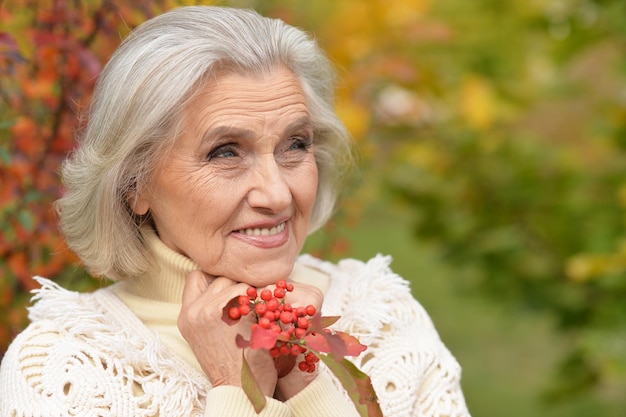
(492, 143)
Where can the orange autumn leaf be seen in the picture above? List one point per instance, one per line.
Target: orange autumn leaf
(17, 263)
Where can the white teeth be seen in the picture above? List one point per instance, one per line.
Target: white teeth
(264, 231)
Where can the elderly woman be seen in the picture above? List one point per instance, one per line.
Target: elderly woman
(211, 152)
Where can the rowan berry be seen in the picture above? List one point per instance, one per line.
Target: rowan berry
(260, 309)
(283, 349)
(234, 313)
(306, 367)
(311, 358)
(265, 323)
(286, 317)
(272, 303)
(244, 309)
(289, 287)
(295, 350)
(303, 323)
(266, 295)
(279, 292)
(299, 333)
(281, 283)
(243, 300)
(251, 292)
(311, 310)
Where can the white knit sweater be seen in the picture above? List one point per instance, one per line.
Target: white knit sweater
(92, 355)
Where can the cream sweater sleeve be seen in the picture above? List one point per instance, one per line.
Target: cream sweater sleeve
(321, 398)
(228, 401)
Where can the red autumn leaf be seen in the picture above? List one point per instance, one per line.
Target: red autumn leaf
(319, 322)
(241, 342)
(284, 364)
(263, 338)
(9, 48)
(326, 342)
(340, 344)
(353, 346)
(317, 341)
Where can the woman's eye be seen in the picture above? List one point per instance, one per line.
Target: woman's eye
(300, 143)
(223, 151)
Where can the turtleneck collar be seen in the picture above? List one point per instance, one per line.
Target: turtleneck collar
(165, 279)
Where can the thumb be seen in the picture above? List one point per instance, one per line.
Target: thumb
(196, 284)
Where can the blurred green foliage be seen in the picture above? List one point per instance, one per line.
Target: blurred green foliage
(518, 175)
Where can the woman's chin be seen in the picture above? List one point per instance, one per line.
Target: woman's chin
(267, 274)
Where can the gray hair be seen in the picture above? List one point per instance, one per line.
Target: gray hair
(137, 104)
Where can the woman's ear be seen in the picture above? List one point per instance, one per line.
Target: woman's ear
(140, 207)
(138, 203)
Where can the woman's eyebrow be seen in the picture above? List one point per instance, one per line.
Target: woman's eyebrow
(303, 122)
(226, 131)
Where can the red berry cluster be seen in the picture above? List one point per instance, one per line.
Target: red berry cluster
(273, 313)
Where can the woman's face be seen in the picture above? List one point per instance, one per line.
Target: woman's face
(235, 192)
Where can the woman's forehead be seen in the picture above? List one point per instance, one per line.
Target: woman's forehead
(238, 100)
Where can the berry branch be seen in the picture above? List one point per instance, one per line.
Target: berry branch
(298, 335)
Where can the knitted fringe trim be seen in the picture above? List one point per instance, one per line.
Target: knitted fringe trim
(77, 316)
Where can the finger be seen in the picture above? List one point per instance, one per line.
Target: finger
(305, 294)
(196, 284)
(219, 285)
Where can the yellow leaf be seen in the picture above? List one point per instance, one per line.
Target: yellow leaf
(426, 156)
(404, 12)
(355, 116)
(477, 103)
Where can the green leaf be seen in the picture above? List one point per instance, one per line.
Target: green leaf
(5, 156)
(251, 387)
(26, 220)
(357, 384)
(6, 124)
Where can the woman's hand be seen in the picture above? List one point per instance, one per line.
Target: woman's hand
(296, 380)
(213, 341)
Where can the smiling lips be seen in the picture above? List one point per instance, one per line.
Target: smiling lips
(263, 231)
(264, 237)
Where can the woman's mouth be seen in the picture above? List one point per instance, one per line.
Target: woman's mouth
(263, 231)
(264, 237)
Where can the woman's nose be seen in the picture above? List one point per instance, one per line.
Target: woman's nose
(269, 189)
